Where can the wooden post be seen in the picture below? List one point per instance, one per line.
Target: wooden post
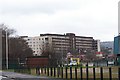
(81, 75)
(61, 72)
(101, 73)
(51, 71)
(94, 73)
(47, 71)
(87, 71)
(70, 72)
(118, 73)
(110, 74)
(75, 73)
(66, 72)
(54, 71)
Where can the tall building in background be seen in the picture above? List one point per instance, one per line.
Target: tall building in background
(117, 38)
(36, 44)
(61, 43)
(119, 18)
(69, 42)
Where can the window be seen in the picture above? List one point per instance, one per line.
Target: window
(33, 42)
(46, 39)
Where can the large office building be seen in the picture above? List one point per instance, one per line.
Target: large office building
(62, 43)
(69, 42)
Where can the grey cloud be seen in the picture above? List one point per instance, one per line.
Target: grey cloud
(83, 17)
(38, 7)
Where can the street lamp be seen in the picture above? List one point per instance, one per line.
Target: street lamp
(6, 50)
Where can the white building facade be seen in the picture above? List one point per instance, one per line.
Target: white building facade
(36, 44)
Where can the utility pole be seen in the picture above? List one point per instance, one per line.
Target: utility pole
(1, 49)
(6, 50)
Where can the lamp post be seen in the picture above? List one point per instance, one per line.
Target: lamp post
(6, 50)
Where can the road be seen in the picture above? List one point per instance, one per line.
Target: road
(17, 76)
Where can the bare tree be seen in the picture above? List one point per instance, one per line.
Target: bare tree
(17, 47)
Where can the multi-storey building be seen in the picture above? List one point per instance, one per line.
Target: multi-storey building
(69, 42)
(59, 43)
(35, 43)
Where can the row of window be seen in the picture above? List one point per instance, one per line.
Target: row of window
(35, 39)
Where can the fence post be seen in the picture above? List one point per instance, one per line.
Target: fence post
(54, 71)
(76, 73)
(38, 71)
(58, 71)
(62, 72)
(47, 71)
(94, 73)
(110, 73)
(81, 75)
(87, 71)
(66, 72)
(101, 73)
(41, 70)
(51, 71)
(118, 73)
(70, 72)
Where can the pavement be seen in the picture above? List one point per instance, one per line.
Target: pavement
(18, 76)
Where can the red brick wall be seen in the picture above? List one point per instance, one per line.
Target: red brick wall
(35, 62)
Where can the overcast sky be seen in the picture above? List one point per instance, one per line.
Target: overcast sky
(94, 18)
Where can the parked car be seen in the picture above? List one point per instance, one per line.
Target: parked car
(111, 62)
(72, 63)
